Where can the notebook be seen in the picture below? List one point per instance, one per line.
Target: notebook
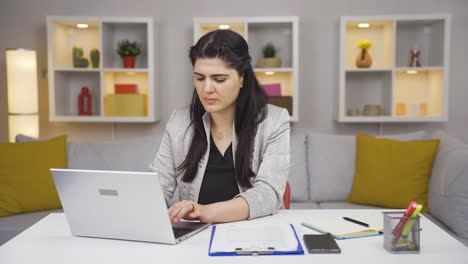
(342, 229)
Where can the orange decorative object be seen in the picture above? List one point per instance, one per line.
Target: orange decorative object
(125, 88)
(363, 60)
(400, 109)
(423, 109)
(84, 102)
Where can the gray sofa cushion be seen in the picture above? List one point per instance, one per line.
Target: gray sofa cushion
(331, 160)
(10, 226)
(134, 155)
(331, 166)
(344, 205)
(298, 180)
(303, 205)
(448, 186)
(130, 155)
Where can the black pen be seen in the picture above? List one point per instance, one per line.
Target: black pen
(355, 221)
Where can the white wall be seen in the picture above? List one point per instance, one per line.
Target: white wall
(22, 24)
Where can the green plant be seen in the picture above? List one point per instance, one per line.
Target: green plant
(78, 60)
(128, 48)
(269, 51)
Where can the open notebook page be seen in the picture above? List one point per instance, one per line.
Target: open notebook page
(336, 225)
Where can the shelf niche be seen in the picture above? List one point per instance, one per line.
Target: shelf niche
(380, 33)
(67, 35)
(279, 34)
(238, 27)
(112, 33)
(369, 88)
(418, 94)
(425, 35)
(68, 87)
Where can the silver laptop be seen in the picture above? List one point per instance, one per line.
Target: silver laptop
(118, 205)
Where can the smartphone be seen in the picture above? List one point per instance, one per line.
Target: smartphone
(321, 243)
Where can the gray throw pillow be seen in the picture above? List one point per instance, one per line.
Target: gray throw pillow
(448, 186)
(298, 176)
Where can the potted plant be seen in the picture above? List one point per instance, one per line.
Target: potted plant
(269, 59)
(364, 60)
(128, 50)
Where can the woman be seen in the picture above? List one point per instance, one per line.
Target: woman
(228, 153)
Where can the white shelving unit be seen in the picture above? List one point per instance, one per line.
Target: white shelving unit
(283, 32)
(405, 94)
(103, 33)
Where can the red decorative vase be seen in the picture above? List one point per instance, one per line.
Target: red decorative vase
(128, 61)
(84, 101)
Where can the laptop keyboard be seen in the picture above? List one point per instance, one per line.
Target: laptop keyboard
(180, 231)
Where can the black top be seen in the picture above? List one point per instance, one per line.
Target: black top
(219, 182)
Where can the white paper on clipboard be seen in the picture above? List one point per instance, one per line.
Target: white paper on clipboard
(246, 236)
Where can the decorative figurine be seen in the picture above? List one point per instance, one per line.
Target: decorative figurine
(94, 55)
(414, 61)
(78, 60)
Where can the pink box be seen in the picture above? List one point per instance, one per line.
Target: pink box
(272, 89)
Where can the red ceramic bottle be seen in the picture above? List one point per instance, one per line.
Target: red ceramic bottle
(84, 102)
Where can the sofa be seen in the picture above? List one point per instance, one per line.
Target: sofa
(321, 174)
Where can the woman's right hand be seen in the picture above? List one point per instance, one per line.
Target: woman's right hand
(190, 210)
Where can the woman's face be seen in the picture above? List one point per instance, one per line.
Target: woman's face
(217, 84)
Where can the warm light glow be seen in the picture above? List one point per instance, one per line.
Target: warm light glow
(363, 25)
(412, 72)
(131, 73)
(269, 73)
(22, 92)
(21, 81)
(224, 26)
(82, 25)
(23, 124)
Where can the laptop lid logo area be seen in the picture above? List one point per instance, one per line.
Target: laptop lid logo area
(108, 192)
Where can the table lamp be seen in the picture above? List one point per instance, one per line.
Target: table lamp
(23, 114)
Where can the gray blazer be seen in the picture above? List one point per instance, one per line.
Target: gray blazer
(270, 162)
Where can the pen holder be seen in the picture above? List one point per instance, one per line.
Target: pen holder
(401, 234)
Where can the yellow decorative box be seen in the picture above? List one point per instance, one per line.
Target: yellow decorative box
(125, 105)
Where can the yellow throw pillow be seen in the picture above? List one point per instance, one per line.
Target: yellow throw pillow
(392, 173)
(25, 181)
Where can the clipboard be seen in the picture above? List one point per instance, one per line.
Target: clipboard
(238, 251)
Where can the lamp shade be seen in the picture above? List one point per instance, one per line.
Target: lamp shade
(23, 124)
(22, 92)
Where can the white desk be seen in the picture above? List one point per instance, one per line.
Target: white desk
(49, 241)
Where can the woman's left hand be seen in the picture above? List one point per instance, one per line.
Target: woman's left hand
(190, 210)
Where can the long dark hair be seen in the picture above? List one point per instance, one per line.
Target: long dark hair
(250, 111)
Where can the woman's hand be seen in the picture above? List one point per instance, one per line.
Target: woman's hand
(190, 210)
